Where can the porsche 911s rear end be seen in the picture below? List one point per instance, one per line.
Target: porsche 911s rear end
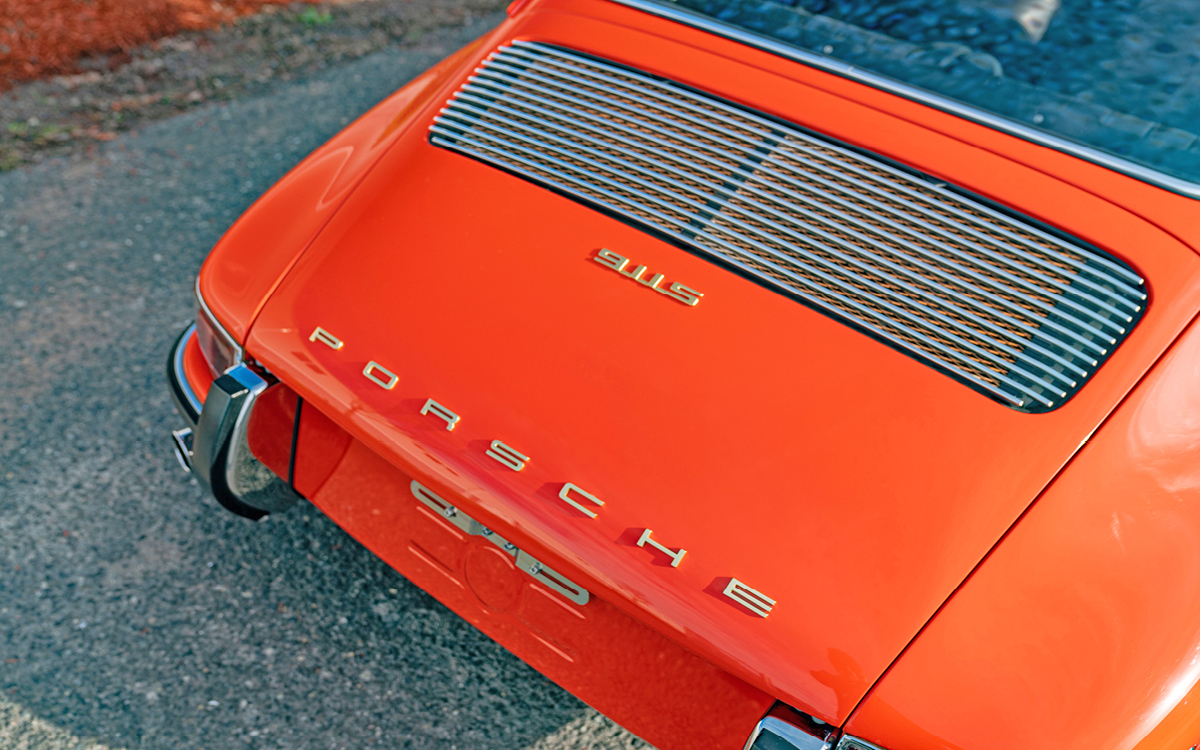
(754, 403)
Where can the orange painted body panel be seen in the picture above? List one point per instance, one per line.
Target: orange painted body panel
(857, 487)
(258, 249)
(319, 451)
(599, 653)
(650, 683)
(196, 368)
(853, 484)
(1082, 629)
(1179, 729)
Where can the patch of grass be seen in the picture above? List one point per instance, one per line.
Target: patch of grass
(48, 133)
(313, 17)
(10, 159)
(38, 134)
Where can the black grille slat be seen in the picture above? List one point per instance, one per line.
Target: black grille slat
(996, 301)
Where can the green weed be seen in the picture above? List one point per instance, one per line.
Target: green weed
(313, 17)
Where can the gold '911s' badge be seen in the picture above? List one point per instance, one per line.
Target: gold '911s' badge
(621, 265)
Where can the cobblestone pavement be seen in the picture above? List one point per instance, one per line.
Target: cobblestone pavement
(136, 613)
(1140, 57)
(1119, 75)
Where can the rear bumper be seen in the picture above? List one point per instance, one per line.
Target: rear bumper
(214, 445)
(642, 678)
(187, 402)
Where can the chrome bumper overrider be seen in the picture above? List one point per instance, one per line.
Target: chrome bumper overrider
(214, 446)
(785, 728)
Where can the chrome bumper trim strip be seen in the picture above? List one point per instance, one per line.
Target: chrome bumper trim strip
(230, 399)
(849, 742)
(182, 442)
(801, 732)
(187, 403)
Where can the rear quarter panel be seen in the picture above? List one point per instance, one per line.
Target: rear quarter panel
(248, 262)
(1082, 629)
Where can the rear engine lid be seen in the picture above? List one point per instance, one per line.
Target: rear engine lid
(756, 442)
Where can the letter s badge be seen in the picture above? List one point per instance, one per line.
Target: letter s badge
(507, 455)
(686, 295)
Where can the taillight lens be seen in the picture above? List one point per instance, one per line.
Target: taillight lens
(218, 346)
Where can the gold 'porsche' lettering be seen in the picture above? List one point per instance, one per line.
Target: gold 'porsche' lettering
(326, 338)
(676, 556)
(620, 264)
(565, 495)
(508, 456)
(571, 493)
(373, 370)
(437, 410)
(755, 601)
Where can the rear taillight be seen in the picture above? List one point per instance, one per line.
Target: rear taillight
(219, 348)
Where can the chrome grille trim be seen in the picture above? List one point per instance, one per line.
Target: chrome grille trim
(992, 299)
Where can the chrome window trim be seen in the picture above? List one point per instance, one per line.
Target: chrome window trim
(946, 104)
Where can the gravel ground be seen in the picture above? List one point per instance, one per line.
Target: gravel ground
(133, 610)
(121, 92)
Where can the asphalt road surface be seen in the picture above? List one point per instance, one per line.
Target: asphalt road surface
(134, 612)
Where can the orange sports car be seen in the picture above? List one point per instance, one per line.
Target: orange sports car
(767, 374)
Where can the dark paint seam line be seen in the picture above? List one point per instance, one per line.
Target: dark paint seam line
(291, 477)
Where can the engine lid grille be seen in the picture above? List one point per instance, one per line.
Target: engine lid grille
(999, 302)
